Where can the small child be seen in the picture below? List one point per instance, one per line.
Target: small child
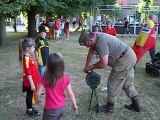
(66, 28)
(31, 76)
(55, 84)
(109, 29)
(57, 27)
(42, 50)
(62, 27)
(96, 30)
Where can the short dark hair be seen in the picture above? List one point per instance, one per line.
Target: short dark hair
(96, 26)
(85, 36)
(91, 35)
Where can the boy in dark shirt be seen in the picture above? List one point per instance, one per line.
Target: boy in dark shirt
(42, 50)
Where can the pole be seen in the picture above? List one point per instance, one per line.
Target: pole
(135, 21)
(157, 24)
(114, 18)
(89, 108)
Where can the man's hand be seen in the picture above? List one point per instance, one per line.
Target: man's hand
(88, 68)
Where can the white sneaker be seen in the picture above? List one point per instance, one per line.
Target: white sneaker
(104, 89)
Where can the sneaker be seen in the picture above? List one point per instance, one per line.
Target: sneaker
(102, 108)
(34, 109)
(30, 113)
(34, 112)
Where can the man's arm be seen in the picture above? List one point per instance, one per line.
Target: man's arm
(103, 61)
(101, 64)
(90, 55)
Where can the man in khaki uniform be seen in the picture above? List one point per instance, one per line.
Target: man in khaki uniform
(121, 58)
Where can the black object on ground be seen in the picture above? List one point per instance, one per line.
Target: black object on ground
(93, 80)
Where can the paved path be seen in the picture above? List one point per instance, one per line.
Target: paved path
(20, 28)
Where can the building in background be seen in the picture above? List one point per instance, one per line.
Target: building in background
(157, 2)
(134, 2)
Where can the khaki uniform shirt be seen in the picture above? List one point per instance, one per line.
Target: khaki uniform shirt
(108, 44)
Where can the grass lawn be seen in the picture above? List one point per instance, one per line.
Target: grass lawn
(12, 100)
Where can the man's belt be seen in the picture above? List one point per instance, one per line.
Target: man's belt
(124, 52)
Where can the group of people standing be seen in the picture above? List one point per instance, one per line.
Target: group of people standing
(58, 27)
(109, 29)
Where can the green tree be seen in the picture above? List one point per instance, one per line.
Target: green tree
(73, 7)
(8, 8)
(34, 7)
(108, 7)
(109, 2)
(51, 8)
(144, 8)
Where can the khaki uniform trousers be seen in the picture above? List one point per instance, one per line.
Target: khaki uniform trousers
(122, 76)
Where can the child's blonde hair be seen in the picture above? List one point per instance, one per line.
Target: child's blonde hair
(23, 44)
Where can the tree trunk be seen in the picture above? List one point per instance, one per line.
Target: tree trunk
(15, 24)
(2, 30)
(31, 24)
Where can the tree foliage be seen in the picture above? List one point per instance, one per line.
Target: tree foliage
(109, 2)
(10, 8)
(144, 9)
(73, 7)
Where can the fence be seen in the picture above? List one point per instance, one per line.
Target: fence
(118, 13)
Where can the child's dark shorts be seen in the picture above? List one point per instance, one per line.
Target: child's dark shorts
(53, 114)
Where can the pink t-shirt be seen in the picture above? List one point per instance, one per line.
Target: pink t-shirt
(55, 97)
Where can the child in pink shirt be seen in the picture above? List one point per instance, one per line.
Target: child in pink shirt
(55, 83)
